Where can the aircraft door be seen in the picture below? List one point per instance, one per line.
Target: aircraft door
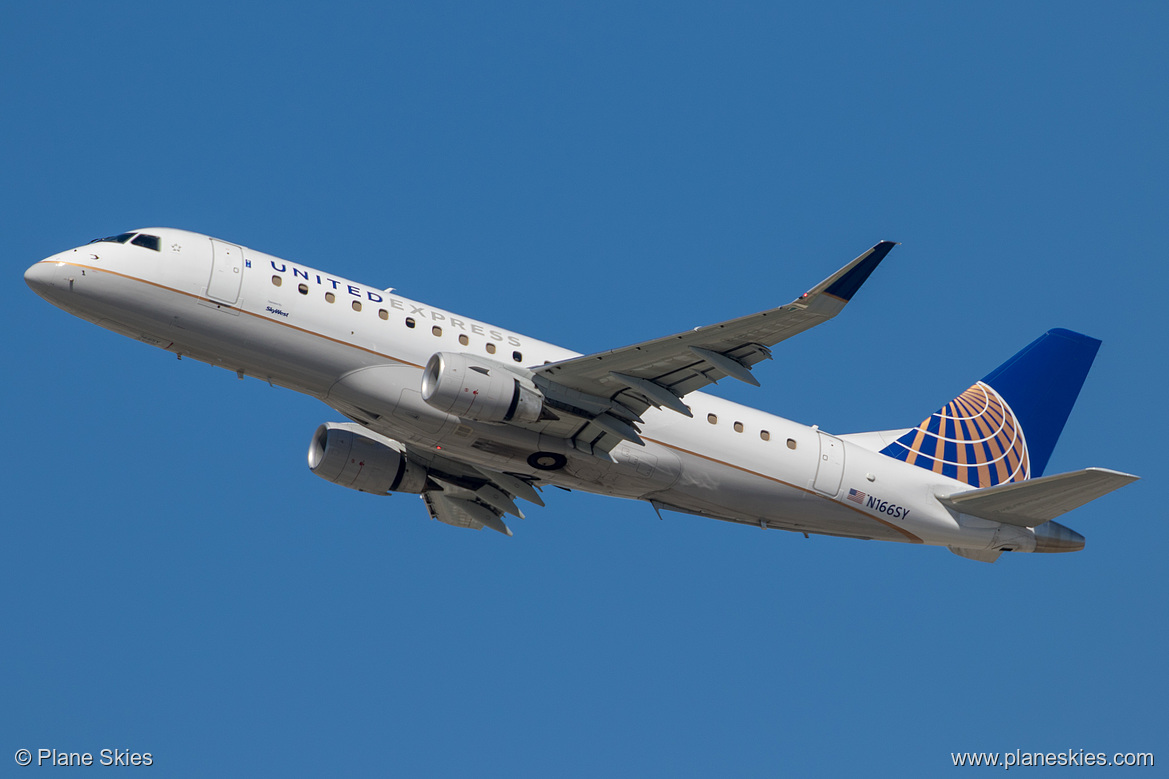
(227, 269)
(830, 466)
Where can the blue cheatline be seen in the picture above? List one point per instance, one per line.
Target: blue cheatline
(1004, 428)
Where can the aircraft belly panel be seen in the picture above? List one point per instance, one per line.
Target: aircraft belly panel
(724, 491)
(425, 423)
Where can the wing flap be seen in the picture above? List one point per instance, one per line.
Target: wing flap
(460, 512)
(464, 495)
(1032, 502)
(512, 484)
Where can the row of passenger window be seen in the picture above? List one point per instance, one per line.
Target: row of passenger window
(738, 426)
(410, 323)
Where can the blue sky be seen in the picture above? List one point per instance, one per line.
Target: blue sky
(595, 174)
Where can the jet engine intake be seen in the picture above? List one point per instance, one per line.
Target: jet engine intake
(485, 391)
(349, 455)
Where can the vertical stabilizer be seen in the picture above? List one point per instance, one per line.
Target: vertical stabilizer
(1004, 428)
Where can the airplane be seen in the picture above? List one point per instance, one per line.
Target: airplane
(473, 417)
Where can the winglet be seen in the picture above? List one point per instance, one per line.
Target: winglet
(845, 282)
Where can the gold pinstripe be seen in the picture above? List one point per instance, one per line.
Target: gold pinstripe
(912, 538)
(241, 310)
(848, 506)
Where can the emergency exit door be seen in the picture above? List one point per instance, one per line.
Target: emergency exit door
(830, 465)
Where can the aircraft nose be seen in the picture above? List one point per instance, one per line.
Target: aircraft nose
(1054, 537)
(39, 278)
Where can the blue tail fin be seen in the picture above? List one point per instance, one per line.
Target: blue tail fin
(1004, 428)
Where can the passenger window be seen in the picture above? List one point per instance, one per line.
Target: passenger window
(302, 289)
(738, 427)
(464, 340)
(330, 297)
(791, 443)
(410, 322)
(383, 313)
(356, 305)
(147, 242)
(712, 419)
(490, 348)
(436, 330)
(517, 356)
(277, 281)
(766, 436)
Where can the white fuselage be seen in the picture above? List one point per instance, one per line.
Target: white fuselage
(361, 350)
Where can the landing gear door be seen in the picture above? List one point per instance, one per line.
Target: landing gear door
(830, 466)
(227, 271)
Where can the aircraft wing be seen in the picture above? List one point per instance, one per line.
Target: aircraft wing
(605, 393)
(468, 496)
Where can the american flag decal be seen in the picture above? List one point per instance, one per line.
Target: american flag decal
(857, 497)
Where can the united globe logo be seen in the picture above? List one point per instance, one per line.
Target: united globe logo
(974, 438)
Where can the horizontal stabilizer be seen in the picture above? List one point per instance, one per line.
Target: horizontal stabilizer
(1035, 501)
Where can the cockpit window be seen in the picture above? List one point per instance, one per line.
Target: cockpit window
(114, 238)
(147, 241)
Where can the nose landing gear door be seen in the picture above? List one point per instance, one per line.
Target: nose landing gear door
(227, 271)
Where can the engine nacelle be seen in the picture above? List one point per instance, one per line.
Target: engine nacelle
(483, 390)
(349, 455)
